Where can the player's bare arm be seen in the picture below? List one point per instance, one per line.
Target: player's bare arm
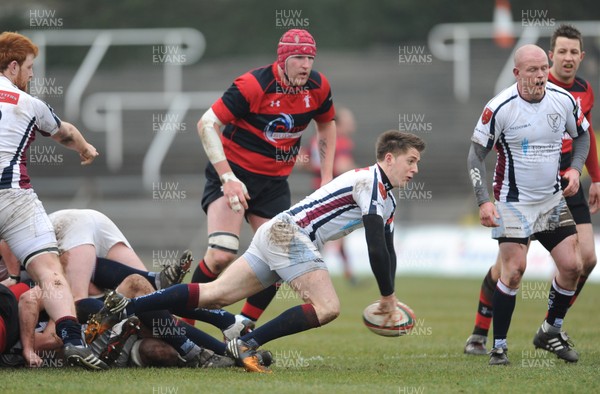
(326, 143)
(69, 136)
(594, 197)
(29, 308)
(209, 129)
(592, 163)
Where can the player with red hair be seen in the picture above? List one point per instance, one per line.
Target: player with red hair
(24, 224)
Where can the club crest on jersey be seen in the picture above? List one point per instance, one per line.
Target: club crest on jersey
(281, 127)
(307, 101)
(486, 116)
(554, 121)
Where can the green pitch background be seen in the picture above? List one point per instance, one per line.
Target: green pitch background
(344, 357)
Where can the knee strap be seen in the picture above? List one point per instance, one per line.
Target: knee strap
(227, 242)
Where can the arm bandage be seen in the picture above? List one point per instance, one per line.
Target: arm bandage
(210, 137)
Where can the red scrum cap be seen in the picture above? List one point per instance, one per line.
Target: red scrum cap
(295, 42)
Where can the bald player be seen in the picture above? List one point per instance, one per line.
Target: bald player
(525, 124)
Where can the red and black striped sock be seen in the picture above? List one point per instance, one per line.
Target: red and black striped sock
(203, 274)
(483, 318)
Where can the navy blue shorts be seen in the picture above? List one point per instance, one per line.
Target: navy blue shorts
(578, 206)
(268, 195)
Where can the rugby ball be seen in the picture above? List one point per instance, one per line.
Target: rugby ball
(402, 324)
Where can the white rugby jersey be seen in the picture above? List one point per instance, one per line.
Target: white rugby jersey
(21, 115)
(336, 209)
(528, 139)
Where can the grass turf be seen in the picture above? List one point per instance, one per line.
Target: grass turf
(344, 357)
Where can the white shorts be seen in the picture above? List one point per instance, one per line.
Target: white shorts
(521, 220)
(24, 225)
(76, 227)
(281, 250)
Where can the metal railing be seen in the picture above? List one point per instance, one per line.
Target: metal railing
(451, 42)
(103, 111)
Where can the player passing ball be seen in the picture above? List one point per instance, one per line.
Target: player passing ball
(287, 248)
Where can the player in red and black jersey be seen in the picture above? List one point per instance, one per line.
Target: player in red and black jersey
(260, 119)
(566, 53)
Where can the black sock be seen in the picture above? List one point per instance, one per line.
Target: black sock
(504, 301)
(559, 301)
(69, 330)
(256, 304)
(109, 274)
(297, 319)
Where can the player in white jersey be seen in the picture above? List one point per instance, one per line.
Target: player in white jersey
(525, 124)
(24, 224)
(82, 236)
(286, 247)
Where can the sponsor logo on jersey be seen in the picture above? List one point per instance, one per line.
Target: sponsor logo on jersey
(281, 127)
(9, 97)
(525, 145)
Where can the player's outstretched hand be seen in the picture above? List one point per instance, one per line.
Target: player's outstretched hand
(88, 154)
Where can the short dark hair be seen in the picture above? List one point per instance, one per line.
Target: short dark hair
(567, 31)
(397, 142)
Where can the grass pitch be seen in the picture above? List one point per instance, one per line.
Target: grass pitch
(344, 357)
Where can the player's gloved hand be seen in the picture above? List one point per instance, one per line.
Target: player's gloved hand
(387, 306)
(235, 191)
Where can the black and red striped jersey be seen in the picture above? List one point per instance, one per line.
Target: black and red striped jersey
(265, 119)
(582, 91)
